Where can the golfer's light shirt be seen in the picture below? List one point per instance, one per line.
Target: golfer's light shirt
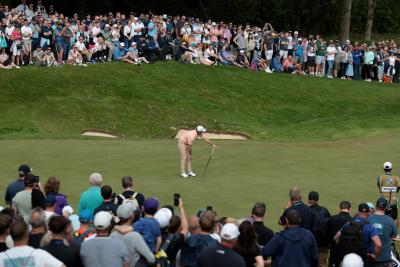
(188, 137)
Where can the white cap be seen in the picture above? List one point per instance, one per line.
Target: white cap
(121, 44)
(102, 220)
(126, 210)
(241, 51)
(135, 18)
(165, 16)
(201, 129)
(230, 231)
(107, 25)
(296, 32)
(370, 205)
(387, 165)
(214, 24)
(133, 43)
(163, 216)
(352, 260)
(256, 34)
(67, 210)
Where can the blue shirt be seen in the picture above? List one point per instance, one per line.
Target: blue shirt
(149, 229)
(90, 199)
(119, 53)
(13, 189)
(152, 29)
(369, 232)
(386, 229)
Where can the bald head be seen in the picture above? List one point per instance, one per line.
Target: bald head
(295, 194)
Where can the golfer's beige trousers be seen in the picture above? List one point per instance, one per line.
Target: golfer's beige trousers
(186, 163)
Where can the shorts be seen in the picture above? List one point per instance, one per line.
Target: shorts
(311, 61)
(298, 59)
(268, 54)
(283, 54)
(15, 51)
(319, 60)
(337, 65)
(392, 211)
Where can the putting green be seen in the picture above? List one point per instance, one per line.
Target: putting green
(240, 173)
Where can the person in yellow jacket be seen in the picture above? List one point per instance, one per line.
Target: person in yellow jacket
(185, 144)
(389, 186)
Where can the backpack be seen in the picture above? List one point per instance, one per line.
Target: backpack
(131, 199)
(352, 239)
(161, 256)
(319, 227)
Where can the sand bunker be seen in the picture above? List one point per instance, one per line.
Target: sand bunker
(98, 133)
(218, 135)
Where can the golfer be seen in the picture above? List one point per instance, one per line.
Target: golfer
(185, 149)
(389, 186)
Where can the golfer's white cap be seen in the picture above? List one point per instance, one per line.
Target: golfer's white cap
(387, 165)
(352, 260)
(201, 129)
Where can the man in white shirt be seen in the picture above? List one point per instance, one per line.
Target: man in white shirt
(26, 33)
(82, 48)
(136, 30)
(23, 7)
(330, 57)
(22, 254)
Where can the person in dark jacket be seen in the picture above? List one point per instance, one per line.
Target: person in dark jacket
(294, 246)
(296, 204)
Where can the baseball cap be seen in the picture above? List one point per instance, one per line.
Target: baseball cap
(163, 216)
(296, 32)
(135, 18)
(387, 165)
(363, 207)
(165, 16)
(24, 170)
(31, 179)
(133, 44)
(107, 26)
(370, 205)
(214, 24)
(151, 205)
(241, 51)
(125, 211)
(230, 231)
(50, 200)
(85, 216)
(67, 210)
(122, 44)
(102, 220)
(381, 203)
(313, 195)
(201, 129)
(352, 260)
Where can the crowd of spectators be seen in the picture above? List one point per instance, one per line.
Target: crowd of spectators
(40, 228)
(32, 34)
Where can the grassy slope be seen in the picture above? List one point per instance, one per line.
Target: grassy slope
(147, 101)
(338, 170)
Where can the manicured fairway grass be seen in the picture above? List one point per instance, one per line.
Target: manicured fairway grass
(241, 172)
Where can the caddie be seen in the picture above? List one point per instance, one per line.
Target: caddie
(389, 186)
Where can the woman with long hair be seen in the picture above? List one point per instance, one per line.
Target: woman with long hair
(247, 246)
(52, 186)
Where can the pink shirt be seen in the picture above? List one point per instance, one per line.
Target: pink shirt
(188, 137)
(214, 34)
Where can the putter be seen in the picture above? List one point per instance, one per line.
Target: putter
(208, 162)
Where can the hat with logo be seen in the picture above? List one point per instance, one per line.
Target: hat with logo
(163, 216)
(381, 203)
(151, 205)
(85, 216)
(200, 129)
(102, 220)
(363, 207)
(229, 231)
(24, 170)
(387, 165)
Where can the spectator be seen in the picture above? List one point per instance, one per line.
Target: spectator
(18, 185)
(368, 63)
(102, 251)
(22, 252)
(67, 253)
(264, 234)
(137, 248)
(75, 58)
(387, 231)
(59, 32)
(320, 57)
(283, 45)
(5, 61)
(349, 240)
(196, 243)
(22, 201)
(84, 232)
(296, 204)
(336, 223)
(343, 62)
(91, 198)
(223, 255)
(50, 206)
(321, 217)
(177, 232)
(5, 222)
(82, 49)
(107, 205)
(106, 33)
(52, 186)
(49, 58)
(37, 221)
(357, 56)
(134, 54)
(26, 33)
(16, 46)
(350, 68)
(129, 194)
(330, 58)
(247, 247)
(294, 246)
